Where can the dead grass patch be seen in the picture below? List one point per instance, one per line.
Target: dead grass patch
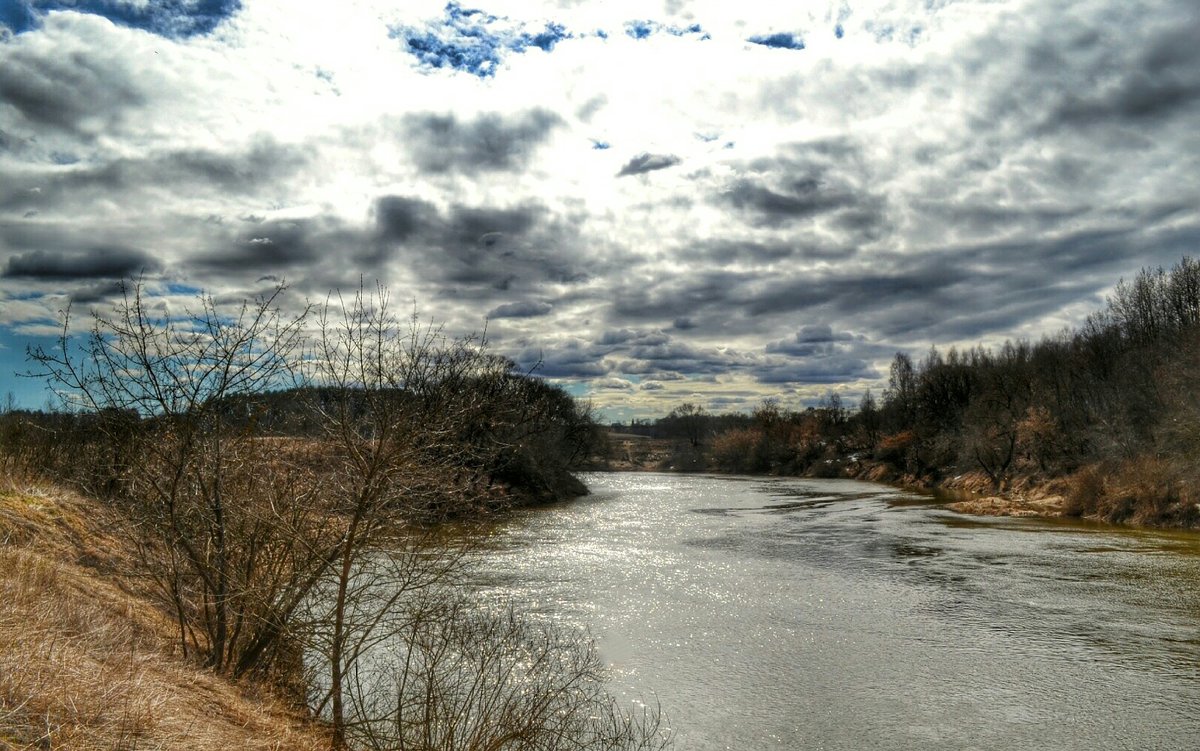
(86, 663)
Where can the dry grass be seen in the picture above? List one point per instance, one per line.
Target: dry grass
(86, 663)
(1146, 491)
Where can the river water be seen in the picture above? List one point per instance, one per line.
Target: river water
(828, 614)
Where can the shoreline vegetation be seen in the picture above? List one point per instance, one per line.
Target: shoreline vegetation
(1102, 422)
(248, 530)
(968, 493)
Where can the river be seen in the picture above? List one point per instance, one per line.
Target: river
(827, 614)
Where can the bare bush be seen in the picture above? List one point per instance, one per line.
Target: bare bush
(460, 677)
(227, 531)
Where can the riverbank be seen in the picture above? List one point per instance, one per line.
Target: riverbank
(974, 493)
(1141, 492)
(88, 660)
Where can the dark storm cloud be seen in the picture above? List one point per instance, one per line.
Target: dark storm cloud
(95, 293)
(262, 164)
(1124, 68)
(480, 251)
(94, 263)
(829, 370)
(1162, 79)
(990, 218)
(646, 352)
(952, 294)
(80, 91)
(489, 143)
(800, 199)
(678, 296)
(966, 293)
(520, 310)
(645, 162)
(654, 351)
(631, 336)
(817, 353)
(279, 245)
(398, 218)
(572, 358)
(805, 181)
(814, 339)
(681, 357)
(724, 252)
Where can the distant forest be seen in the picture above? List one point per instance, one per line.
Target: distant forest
(1111, 411)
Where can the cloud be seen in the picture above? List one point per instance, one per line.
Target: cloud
(262, 163)
(277, 245)
(489, 142)
(1162, 80)
(97, 262)
(645, 162)
(800, 199)
(813, 339)
(817, 353)
(521, 310)
(485, 252)
(612, 384)
(805, 181)
(399, 218)
(66, 80)
(828, 370)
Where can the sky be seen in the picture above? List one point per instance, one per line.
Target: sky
(651, 202)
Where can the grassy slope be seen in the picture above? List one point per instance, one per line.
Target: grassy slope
(86, 662)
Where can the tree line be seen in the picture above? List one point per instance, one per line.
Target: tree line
(287, 481)
(1107, 412)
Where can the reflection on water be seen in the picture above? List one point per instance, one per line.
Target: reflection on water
(829, 614)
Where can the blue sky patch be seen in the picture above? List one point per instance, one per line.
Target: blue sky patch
(781, 40)
(17, 16)
(647, 29)
(640, 29)
(175, 19)
(27, 393)
(548, 37)
(888, 33)
(178, 288)
(474, 41)
(839, 31)
(684, 30)
(601, 145)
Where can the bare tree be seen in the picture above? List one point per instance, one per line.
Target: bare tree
(396, 401)
(229, 533)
